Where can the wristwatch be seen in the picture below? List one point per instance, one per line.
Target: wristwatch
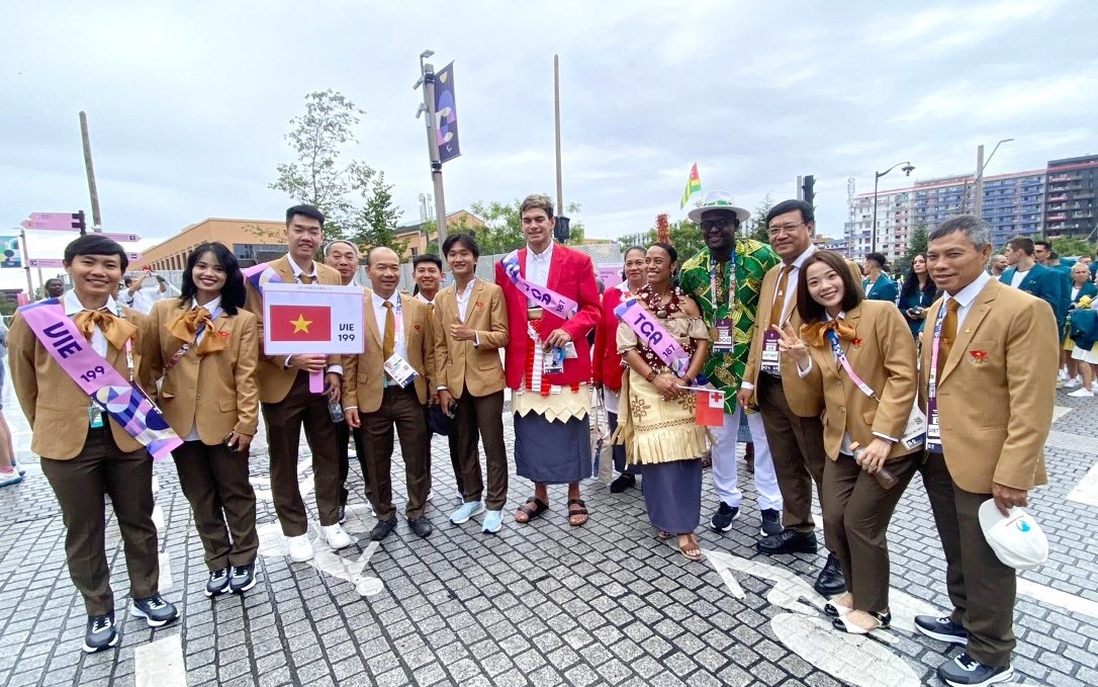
(650, 376)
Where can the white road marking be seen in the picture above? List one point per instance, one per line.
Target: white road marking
(158, 520)
(1060, 411)
(1055, 597)
(855, 659)
(165, 582)
(160, 663)
(262, 485)
(155, 485)
(1087, 489)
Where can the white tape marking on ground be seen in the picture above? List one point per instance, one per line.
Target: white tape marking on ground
(160, 663)
(158, 520)
(1086, 491)
(855, 659)
(165, 572)
(1055, 597)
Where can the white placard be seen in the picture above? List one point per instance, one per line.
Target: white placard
(295, 315)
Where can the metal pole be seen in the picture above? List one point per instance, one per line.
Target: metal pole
(96, 219)
(978, 201)
(432, 150)
(556, 110)
(873, 232)
(800, 187)
(26, 263)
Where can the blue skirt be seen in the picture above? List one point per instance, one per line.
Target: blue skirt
(672, 494)
(552, 452)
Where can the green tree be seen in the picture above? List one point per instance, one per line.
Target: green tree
(502, 230)
(686, 237)
(1072, 246)
(375, 223)
(916, 246)
(756, 224)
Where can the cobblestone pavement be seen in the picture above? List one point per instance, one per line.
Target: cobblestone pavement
(539, 604)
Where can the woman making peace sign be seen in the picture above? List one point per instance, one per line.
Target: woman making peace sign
(859, 356)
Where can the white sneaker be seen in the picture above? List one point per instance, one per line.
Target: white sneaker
(1081, 393)
(301, 549)
(1072, 383)
(336, 537)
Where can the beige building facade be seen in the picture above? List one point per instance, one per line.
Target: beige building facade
(248, 239)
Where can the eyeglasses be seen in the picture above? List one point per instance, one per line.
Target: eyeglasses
(722, 223)
(782, 229)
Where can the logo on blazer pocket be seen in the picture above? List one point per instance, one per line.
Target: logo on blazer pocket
(978, 357)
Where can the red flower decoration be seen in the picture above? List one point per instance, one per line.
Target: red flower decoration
(978, 357)
(415, 327)
(480, 304)
(223, 335)
(856, 343)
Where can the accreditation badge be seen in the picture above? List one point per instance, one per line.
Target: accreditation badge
(933, 430)
(771, 355)
(399, 370)
(722, 334)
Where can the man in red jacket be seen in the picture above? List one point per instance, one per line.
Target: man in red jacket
(552, 303)
(607, 360)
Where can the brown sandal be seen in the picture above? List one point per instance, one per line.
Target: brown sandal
(580, 512)
(531, 513)
(692, 551)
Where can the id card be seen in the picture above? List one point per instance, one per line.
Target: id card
(399, 370)
(95, 416)
(552, 363)
(722, 334)
(915, 431)
(933, 433)
(771, 355)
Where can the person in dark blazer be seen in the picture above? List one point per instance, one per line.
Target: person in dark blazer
(203, 348)
(916, 295)
(877, 284)
(992, 341)
(1035, 279)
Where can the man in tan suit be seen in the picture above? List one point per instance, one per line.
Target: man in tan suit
(85, 454)
(470, 328)
(287, 403)
(791, 419)
(997, 353)
(375, 398)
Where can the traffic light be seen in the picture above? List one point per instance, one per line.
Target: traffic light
(79, 223)
(807, 192)
(561, 232)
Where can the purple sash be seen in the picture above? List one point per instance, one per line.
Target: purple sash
(114, 394)
(539, 296)
(649, 330)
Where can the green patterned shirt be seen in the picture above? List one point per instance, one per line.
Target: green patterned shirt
(753, 259)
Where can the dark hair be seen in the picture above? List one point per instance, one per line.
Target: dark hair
(307, 211)
(1043, 242)
(433, 259)
(466, 240)
(808, 214)
(630, 249)
(880, 259)
(811, 311)
(669, 248)
(232, 294)
(1021, 243)
(911, 281)
(95, 244)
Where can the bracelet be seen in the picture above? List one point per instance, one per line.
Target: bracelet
(650, 376)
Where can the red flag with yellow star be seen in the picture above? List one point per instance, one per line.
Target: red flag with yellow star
(289, 323)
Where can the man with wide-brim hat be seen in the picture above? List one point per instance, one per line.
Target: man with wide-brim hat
(724, 280)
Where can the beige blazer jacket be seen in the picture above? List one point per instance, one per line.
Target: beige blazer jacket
(364, 375)
(217, 391)
(274, 378)
(996, 390)
(460, 365)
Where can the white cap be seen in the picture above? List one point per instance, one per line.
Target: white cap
(1016, 538)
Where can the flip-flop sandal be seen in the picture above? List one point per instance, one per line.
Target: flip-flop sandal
(531, 513)
(582, 510)
(692, 553)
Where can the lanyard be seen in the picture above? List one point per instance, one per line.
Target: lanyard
(731, 283)
(932, 384)
(840, 358)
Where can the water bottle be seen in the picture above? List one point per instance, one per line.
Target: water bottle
(884, 478)
(335, 411)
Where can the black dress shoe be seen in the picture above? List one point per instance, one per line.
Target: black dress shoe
(421, 525)
(830, 581)
(622, 483)
(943, 629)
(382, 529)
(964, 670)
(788, 541)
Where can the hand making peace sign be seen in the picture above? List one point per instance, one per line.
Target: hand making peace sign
(792, 344)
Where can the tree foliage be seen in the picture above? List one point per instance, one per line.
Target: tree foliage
(502, 230)
(1071, 246)
(354, 198)
(916, 246)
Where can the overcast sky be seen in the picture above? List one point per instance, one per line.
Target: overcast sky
(188, 106)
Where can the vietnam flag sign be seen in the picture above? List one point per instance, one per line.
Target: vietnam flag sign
(299, 318)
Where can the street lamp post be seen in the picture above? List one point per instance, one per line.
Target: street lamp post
(981, 164)
(908, 168)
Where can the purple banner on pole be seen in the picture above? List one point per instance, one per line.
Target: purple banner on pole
(446, 126)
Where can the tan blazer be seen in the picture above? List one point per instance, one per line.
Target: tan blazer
(364, 375)
(996, 390)
(55, 406)
(885, 360)
(274, 378)
(216, 391)
(460, 364)
(800, 402)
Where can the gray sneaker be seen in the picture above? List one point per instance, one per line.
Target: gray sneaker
(771, 522)
(101, 633)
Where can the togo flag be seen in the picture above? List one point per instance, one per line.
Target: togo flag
(312, 318)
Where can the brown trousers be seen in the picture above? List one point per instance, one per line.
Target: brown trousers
(455, 452)
(796, 445)
(284, 420)
(215, 481)
(80, 484)
(402, 408)
(981, 588)
(481, 417)
(344, 434)
(857, 511)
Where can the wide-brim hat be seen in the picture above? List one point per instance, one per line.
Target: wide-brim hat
(718, 200)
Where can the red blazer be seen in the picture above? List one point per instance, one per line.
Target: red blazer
(571, 274)
(607, 362)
